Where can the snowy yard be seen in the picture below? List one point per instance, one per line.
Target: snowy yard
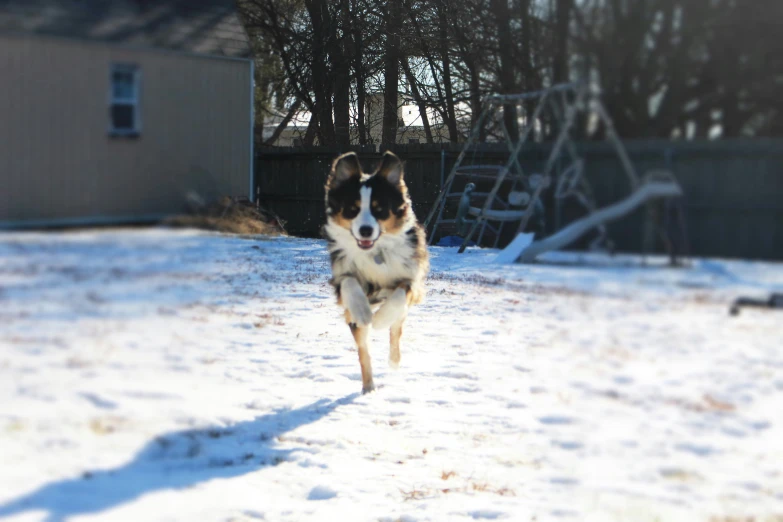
(153, 375)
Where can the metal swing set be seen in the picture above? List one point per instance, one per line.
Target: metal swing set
(516, 195)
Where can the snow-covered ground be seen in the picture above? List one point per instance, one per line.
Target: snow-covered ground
(153, 375)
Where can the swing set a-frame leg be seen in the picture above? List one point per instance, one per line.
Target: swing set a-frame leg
(513, 160)
(469, 235)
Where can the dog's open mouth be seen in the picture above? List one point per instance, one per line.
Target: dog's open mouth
(365, 244)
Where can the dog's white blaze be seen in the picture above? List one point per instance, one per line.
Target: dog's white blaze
(365, 217)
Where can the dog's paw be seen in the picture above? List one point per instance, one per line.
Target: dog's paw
(381, 319)
(368, 388)
(361, 314)
(394, 364)
(391, 311)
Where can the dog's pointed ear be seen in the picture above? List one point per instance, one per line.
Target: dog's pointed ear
(391, 168)
(344, 168)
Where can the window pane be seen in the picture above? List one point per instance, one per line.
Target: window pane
(123, 85)
(123, 117)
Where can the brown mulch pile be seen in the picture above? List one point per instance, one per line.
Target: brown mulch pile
(231, 215)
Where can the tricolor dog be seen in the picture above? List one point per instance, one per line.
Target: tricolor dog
(378, 251)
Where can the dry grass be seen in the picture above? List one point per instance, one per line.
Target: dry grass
(230, 215)
(468, 486)
(267, 319)
(414, 494)
(707, 404)
(483, 487)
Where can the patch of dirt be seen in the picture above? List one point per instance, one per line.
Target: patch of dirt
(230, 215)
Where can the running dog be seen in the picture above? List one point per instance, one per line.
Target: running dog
(378, 251)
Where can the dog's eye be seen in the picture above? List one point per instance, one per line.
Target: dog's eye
(379, 211)
(351, 211)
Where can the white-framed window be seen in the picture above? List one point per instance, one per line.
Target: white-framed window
(124, 113)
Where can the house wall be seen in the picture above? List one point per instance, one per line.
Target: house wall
(58, 161)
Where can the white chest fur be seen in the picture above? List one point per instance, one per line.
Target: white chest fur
(389, 261)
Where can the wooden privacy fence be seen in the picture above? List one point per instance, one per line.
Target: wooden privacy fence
(733, 189)
(290, 181)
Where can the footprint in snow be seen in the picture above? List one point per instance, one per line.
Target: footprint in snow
(556, 420)
(457, 375)
(487, 514)
(568, 445)
(564, 481)
(99, 402)
(321, 493)
(439, 403)
(701, 451)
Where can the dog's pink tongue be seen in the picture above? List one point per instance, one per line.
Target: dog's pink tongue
(365, 243)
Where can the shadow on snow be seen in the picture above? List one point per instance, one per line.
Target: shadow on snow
(175, 460)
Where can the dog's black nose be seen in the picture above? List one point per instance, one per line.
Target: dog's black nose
(365, 231)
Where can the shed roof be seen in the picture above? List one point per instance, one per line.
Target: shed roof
(200, 26)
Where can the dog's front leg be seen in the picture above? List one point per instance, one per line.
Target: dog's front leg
(394, 343)
(392, 314)
(355, 302)
(361, 335)
(359, 315)
(394, 309)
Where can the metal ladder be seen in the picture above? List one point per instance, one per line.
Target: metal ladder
(512, 170)
(473, 174)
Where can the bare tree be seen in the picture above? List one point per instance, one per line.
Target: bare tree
(667, 68)
(420, 104)
(391, 72)
(507, 83)
(562, 34)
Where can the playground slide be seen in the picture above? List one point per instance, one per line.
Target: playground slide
(511, 252)
(525, 251)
